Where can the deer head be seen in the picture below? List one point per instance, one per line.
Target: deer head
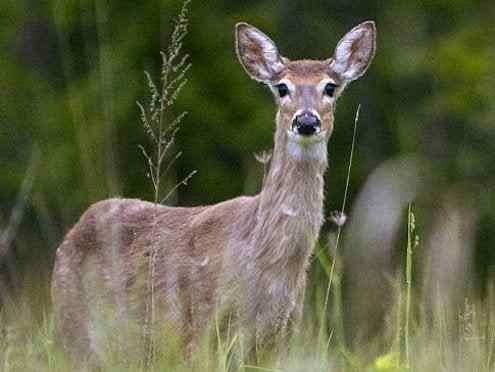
(306, 91)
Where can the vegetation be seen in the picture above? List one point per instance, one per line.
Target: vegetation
(463, 343)
(396, 289)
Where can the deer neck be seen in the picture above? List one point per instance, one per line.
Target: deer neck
(290, 210)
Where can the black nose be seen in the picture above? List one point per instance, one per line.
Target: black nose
(306, 123)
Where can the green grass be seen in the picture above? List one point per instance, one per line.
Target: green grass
(415, 337)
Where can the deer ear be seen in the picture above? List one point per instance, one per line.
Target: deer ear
(257, 53)
(355, 51)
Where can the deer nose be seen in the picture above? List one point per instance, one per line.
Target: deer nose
(306, 123)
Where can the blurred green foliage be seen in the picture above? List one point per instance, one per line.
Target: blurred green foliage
(71, 72)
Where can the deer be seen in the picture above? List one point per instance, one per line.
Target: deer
(248, 255)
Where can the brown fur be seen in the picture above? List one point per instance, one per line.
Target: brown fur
(308, 71)
(247, 256)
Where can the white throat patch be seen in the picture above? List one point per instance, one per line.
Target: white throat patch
(307, 150)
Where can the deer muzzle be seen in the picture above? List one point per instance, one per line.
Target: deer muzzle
(306, 124)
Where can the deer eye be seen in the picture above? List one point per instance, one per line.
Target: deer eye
(330, 89)
(283, 90)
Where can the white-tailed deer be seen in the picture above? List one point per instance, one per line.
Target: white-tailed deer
(248, 255)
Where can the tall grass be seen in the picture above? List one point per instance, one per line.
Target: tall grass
(29, 342)
(412, 242)
(162, 126)
(158, 121)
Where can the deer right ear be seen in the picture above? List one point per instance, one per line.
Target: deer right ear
(257, 53)
(355, 51)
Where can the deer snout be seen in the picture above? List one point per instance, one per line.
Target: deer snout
(306, 123)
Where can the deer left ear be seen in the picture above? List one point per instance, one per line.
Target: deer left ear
(355, 51)
(257, 53)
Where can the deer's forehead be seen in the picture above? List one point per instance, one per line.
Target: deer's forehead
(308, 72)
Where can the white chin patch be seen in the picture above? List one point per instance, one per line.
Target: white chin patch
(307, 148)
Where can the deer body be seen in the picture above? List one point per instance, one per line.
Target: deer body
(247, 255)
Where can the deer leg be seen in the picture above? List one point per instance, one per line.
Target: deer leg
(72, 315)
